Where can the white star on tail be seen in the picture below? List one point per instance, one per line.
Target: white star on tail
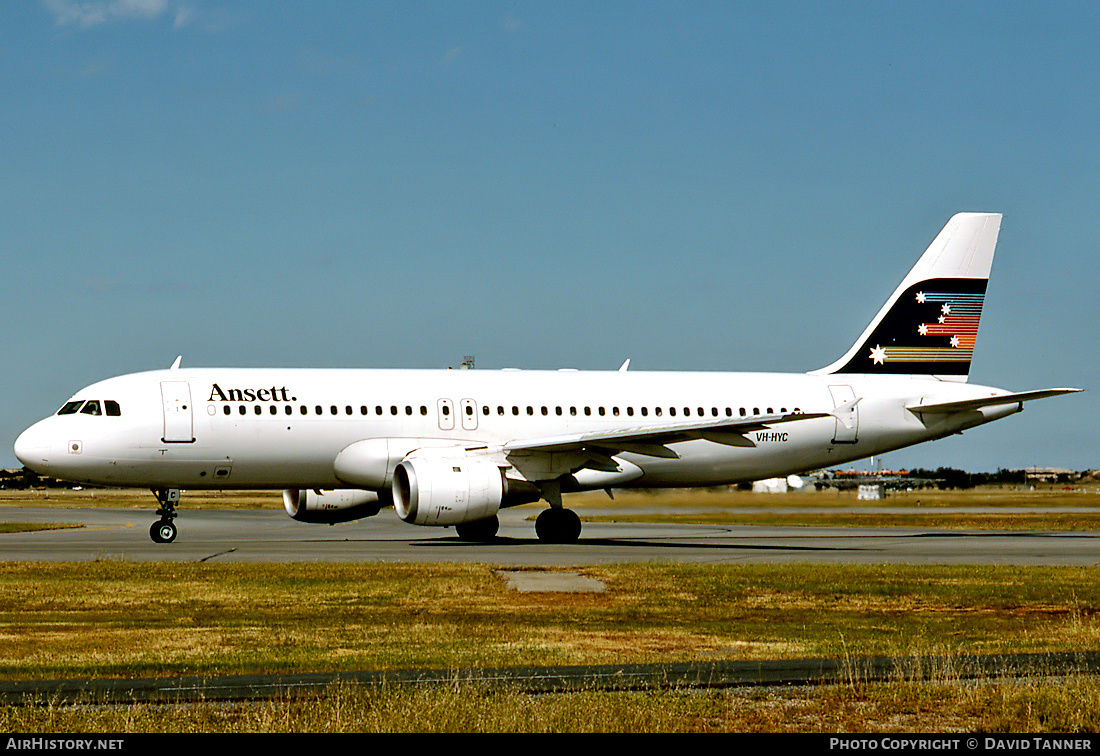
(922, 329)
(920, 297)
(955, 341)
(878, 355)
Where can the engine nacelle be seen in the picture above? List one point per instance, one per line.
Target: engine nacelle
(442, 490)
(342, 505)
(370, 463)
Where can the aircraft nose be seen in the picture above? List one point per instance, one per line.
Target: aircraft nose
(32, 448)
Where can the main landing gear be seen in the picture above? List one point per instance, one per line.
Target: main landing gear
(478, 530)
(164, 530)
(556, 524)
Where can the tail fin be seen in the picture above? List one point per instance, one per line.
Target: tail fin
(930, 324)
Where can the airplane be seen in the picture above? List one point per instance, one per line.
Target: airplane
(454, 447)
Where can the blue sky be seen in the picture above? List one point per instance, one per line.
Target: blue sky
(691, 185)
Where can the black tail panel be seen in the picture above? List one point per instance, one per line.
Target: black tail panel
(931, 329)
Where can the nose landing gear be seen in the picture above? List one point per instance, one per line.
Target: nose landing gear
(164, 530)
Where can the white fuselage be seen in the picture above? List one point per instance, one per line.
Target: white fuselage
(284, 428)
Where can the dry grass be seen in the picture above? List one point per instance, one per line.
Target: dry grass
(938, 705)
(114, 618)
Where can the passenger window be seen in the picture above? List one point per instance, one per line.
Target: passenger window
(91, 408)
(112, 408)
(70, 408)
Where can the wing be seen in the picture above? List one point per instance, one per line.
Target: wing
(653, 440)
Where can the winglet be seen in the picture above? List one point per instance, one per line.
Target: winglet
(176, 364)
(624, 367)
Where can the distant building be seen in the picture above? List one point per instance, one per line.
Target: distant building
(871, 491)
(1048, 474)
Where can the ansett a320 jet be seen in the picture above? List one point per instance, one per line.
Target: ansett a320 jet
(453, 447)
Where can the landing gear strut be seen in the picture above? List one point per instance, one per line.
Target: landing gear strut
(164, 530)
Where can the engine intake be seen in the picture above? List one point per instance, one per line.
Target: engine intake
(341, 505)
(447, 491)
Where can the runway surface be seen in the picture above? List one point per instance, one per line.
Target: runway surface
(270, 536)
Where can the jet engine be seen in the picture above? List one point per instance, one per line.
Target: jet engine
(451, 490)
(342, 505)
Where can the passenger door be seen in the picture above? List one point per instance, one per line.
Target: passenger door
(178, 425)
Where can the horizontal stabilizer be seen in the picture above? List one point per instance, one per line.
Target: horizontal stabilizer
(966, 405)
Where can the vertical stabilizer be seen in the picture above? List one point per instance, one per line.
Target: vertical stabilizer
(929, 326)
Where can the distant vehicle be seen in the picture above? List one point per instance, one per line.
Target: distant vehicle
(453, 447)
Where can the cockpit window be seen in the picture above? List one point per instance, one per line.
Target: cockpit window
(92, 407)
(70, 408)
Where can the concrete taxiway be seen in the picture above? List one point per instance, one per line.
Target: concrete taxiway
(270, 536)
